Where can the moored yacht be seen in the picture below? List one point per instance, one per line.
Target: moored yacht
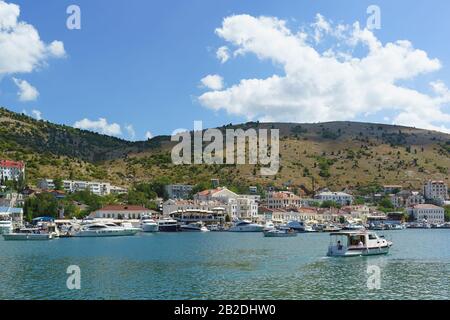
(357, 243)
(354, 226)
(246, 226)
(148, 224)
(280, 233)
(104, 230)
(194, 227)
(269, 226)
(28, 234)
(168, 225)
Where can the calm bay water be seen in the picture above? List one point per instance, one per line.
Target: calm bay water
(224, 266)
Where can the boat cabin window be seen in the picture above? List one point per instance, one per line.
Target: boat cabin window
(356, 240)
(372, 237)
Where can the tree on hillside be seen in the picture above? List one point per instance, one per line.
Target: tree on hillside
(58, 182)
(330, 204)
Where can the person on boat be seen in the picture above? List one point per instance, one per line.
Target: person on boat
(339, 245)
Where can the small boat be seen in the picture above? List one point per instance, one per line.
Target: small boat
(215, 227)
(104, 230)
(309, 229)
(168, 225)
(331, 228)
(28, 234)
(280, 233)
(395, 227)
(357, 243)
(246, 226)
(354, 226)
(148, 224)
(194, 227)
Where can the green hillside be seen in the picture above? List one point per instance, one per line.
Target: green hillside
(334, 154)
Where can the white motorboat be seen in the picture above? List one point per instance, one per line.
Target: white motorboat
(215, 227)
(269, 226)
(194, 227)
(300, 226)
(149, 225)
(357, 243)
(280, 233)
(104, 230)
(354, 226)
(6, 226)
(28, 234)
(168, 225)
(246, 226)
(126, 225)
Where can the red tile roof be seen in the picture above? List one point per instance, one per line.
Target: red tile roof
(123, 208)
(12, 164)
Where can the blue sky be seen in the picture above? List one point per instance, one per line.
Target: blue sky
(140, 62)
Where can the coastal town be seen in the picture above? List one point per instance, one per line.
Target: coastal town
(71, 205)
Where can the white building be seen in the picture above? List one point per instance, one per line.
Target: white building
(120, 212)
(98, 188)
(427, 212)
(344, 199)
(435, 190)
(172, 206)
(283, 199)
(12, 170)
(179, 191)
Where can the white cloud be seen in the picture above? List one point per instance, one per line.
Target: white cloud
(223, 54)
(101, 125)
(37, 114)
(213, 82)
(130, 130)
(148, 135)
(26, 91)
(332, 85)
(21, 49)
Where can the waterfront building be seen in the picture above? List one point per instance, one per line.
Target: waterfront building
(342, 198)
(427, 212)
(16, 214)
(238, 206)
(179, 191)
(217, 194)
(283, 200)
(390, 189)
(70, 186)
(172, 206)
(120, 212)
(12, 170)
(436, 191)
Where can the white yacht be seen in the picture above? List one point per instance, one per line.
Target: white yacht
(168, 225)
(283, 232)
(269, 226)
(354, 226)
(246, 226)
(300, 226)
(194, 227)
(148, 224)
(28, 234)
(104, 230)
(357, 243)
(126, 225)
